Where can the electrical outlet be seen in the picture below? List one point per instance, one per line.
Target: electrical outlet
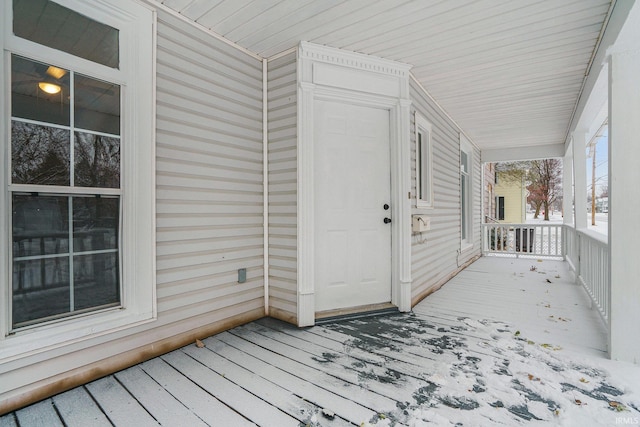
(242, 275)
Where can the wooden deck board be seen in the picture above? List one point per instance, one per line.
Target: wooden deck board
(327, 370)
(204, 405)
(241, 374)
(165, 408)
(8, 420)
(42, 414)
(243, 352)
(118, 404)
(250, 406)
(78, 409)
(401, 369)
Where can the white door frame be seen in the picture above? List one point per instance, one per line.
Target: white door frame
(335, 75)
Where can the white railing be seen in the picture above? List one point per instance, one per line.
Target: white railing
(542, 240)
(588, 255)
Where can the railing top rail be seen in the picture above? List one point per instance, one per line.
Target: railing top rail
(513, 224)
(593, 235)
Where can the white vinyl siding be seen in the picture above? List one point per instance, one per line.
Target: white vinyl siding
(209, 174)
(282, 111)
(209, 190)
(435, 254)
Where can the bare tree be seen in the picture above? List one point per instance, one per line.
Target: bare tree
(513, 171)
(604, 191)
(543, 178)
(546, 184)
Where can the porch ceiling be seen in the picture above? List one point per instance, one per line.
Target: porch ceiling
(509, 72)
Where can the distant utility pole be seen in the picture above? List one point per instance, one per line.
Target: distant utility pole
(593, 185)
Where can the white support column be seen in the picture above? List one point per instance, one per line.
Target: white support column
(306, 271)
(624, 200)
(567, 187)
(580, 177)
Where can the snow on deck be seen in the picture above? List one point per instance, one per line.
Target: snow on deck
(506, 342)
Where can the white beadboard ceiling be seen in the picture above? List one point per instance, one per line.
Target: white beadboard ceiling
(508, 71)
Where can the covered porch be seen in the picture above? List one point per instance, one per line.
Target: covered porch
(547, 331)
(507, 341)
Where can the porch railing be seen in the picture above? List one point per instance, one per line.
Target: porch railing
(588, 255)
(543, 240)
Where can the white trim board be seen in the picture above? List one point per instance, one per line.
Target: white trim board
(332, 74)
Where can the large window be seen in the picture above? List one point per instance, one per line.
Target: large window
(424, 163)
(64, 193)
(77, 170)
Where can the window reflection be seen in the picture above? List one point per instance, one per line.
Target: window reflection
(32, 95)
(97, 105)
(97, 161)
(48, 270)
(95, 223)
(40, 288)
(40, 225)
(96, 280)
(39, 154)
(50, 24)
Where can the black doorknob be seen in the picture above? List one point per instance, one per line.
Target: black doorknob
(387, 220)
(386, 207)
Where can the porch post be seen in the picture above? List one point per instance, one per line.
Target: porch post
(624, 199)
(580, 178)
(567, 186)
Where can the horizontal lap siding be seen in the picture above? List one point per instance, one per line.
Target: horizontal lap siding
(434, 254)
(209, 173)
(282, 119)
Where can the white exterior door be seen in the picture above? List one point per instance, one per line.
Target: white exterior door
(352, 187)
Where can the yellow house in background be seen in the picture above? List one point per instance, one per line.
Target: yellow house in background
(510, 199)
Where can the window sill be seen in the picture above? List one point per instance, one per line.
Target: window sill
(38, 339)
(465, 247)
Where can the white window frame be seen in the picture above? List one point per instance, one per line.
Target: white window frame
(466, 205)
(136, 76)
(424, 196)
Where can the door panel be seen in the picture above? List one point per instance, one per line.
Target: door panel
(352, 184)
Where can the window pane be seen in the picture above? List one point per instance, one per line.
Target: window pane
(95, 223)
(96, 280)
(40, 225)
(463, 200)
(97, 161)
(39, 91)
(420, 167)
(425, 172)
(40, 289)
(97, 105)
(464, 161)
(39, 154)
(55, 26)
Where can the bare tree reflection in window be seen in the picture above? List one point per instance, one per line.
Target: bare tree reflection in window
(97, 161)
(39, 154)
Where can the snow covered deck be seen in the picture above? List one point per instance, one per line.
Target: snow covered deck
(506, 342)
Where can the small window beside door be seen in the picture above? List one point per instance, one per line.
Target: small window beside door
(466, 198)
(424, 163)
